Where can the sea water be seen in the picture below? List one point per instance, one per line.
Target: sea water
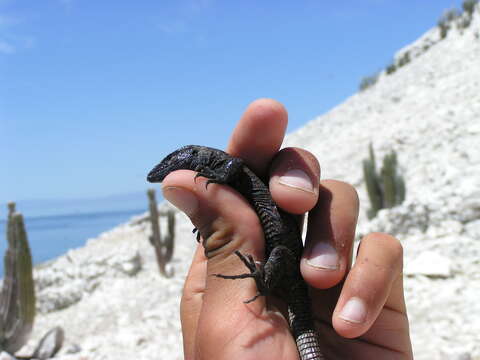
(51, 236)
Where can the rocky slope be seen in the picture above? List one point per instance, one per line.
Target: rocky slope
(113, 303)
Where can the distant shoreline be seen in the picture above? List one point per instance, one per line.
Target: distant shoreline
(51, 236)
(81, 214)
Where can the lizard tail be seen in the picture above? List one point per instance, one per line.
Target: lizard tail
(302, 325)
(308, 346)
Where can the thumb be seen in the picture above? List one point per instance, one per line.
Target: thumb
(227, 223)
(223, 217)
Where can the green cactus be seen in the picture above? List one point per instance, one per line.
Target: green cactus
(386, 189)
(400, 188)
(373, 185)
(469, 6)
(17, 299)
(388, 178)
(391, 68)
(11, 208)
(164, 246)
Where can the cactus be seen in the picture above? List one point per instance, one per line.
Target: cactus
(373, 185)
(386, 189)
(368, 81)
(391, 69)
(388, 178)
(17, 299)
(404, 59)
(445, 21)
(11, 208)
(469, 6)
(163, 245)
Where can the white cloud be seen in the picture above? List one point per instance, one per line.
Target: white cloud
(199, 5)
(174, 27)
(10, 40)
(6, 20)
(185, 14)
(67, 4)
(6, 48)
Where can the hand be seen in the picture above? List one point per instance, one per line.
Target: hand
(359, 311)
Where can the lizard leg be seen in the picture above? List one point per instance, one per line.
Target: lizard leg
(256, 272)
(267, 276)
(221, 173)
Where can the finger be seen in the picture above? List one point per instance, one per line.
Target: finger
(331, 231)
(192, 300)
(215, 212)
(371, 285)
(259, 134)
(294, 180)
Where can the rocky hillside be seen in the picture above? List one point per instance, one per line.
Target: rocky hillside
(428, 111)
(113, 304)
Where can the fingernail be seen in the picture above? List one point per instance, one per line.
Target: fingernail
(182, 199)
(354, 311)
(297, 179)
(323, 256)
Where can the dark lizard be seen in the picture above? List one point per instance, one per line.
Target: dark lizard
(280, 274)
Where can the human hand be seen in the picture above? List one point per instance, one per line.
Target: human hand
(359, 312)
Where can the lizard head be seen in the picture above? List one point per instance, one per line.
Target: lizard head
(179, 159)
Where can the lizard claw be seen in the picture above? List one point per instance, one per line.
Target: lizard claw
(252, 299)
(256, 272)
(211, 181)
(197, 235)
(197, 175)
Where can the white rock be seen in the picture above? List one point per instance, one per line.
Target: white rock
(6, 356)
(431, 264)
(455, 354)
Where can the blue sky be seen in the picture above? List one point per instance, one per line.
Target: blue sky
(94, 93)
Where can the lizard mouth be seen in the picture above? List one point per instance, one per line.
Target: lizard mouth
(158, 173)
(178, 159)
(153, 177)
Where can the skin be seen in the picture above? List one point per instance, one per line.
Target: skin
(216, 324)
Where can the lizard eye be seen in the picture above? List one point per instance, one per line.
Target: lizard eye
(234, 164)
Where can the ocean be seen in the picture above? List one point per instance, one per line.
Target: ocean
(51, 236)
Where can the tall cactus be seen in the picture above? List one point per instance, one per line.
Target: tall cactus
(388, 175)
(373, 185)
(386, 189)
(17, 299)
(164, 246)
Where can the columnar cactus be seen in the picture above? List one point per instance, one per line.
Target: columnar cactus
(163, 245)
(11, 208)
(17, 299)
(373, 185)
(469, 6)
(386, 189)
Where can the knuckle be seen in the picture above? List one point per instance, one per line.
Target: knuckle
(388, 249)
(223, 237)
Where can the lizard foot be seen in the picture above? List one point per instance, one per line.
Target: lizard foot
(210, 179)
(197, 234)
(256, 272)
(221, 172)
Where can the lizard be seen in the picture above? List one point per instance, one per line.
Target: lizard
(280, 274)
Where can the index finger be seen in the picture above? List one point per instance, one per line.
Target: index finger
(257, 139)
(259, 134)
